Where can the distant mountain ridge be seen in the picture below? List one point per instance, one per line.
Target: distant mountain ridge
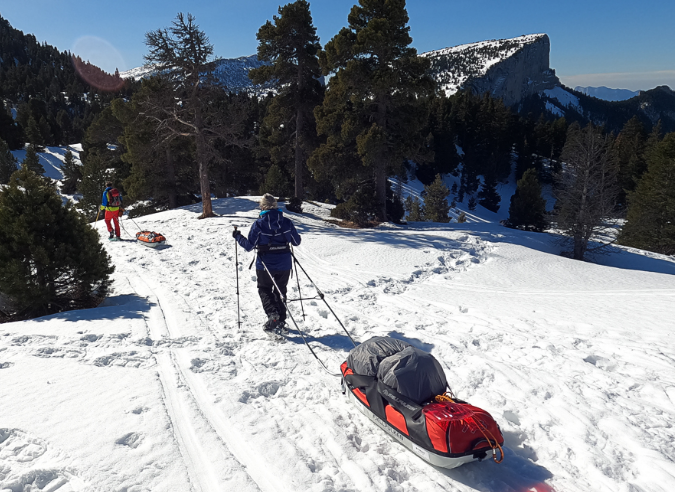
(607, 94)
(231, 72)
(516, 70)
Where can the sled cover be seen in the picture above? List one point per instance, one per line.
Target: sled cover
(365, 358)
(412, 372)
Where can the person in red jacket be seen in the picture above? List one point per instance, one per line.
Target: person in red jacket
(111, 202)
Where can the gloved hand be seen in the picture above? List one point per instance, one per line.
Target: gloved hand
(236, 233)
(102, 207)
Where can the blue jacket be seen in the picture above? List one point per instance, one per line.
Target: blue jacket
(272, 228)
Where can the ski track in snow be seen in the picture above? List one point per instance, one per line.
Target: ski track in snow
(584, 402)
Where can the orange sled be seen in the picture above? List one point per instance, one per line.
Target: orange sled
(150, 239)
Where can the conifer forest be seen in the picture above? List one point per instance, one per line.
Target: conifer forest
(346, 118)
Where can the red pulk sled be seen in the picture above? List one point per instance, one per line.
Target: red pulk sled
(402, 389)
(150, 239)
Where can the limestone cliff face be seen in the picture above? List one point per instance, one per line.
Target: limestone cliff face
(520, 75)
(510, 69)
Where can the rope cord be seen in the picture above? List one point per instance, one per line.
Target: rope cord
(296, 324)
(322, 297)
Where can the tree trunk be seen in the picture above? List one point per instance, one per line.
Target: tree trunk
(299, 190)
(171, 178)
(207, 210)
(381, 189)
(299, 124)
(381, 166)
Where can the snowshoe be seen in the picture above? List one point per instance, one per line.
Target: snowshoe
(402, 390)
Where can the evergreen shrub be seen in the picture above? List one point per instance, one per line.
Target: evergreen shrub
(294, 205)
(51, 259)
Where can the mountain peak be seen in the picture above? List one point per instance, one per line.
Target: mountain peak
(510, 69)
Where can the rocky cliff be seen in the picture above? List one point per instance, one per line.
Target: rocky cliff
(510, 69)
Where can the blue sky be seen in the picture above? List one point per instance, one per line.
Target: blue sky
(618, 44)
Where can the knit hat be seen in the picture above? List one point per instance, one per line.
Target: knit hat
(268, 202)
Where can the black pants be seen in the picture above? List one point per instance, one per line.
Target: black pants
(271, 300)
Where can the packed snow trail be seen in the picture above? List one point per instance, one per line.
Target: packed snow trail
(574, 360)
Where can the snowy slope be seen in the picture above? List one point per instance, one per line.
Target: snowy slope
(231, 72)
(52, 158)
(453, 66)
(159, 389)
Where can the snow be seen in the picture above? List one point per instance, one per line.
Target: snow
(159, 389)
(473, 60)
(565, 98)
(51, 158)
(231, 72)
(553, 109)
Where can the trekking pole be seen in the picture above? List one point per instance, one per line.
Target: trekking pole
(304, 339)
(323, 298)
(236, 268)
(298, 279)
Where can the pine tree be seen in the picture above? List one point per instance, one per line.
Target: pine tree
(9, 130)
(291, 46)
(587, 187)
(415, 209)
(488, 196)
(34, 135)
(50, 258)
(629, 151)
(528, 207)
(650, 223)
(72, 174)
(95, 174)
(275, 182)
(436, 206)
(184, 52)
(472, 203)
(7, 163)
(373, 112)
(32, 161)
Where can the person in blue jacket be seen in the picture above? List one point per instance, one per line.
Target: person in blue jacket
(272, 236)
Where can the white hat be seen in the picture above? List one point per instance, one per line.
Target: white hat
(268, 202)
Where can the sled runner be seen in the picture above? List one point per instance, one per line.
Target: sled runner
(402, 390)
(150, 239)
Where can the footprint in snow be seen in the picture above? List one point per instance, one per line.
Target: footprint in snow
(91, 338)
(132, 440)
(17, 446)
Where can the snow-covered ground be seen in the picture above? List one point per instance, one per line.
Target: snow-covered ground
(158, 389)
(51, 158)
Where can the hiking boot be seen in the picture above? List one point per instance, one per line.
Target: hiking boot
(272, 322)
(112, 235)
(282, 328)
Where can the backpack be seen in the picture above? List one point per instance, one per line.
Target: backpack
(114, 198)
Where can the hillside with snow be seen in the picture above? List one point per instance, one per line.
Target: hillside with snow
(230, 72)
(510, 69)
(51, 158)
(159, 389)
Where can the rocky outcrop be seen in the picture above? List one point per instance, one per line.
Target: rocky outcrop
(510, 69)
